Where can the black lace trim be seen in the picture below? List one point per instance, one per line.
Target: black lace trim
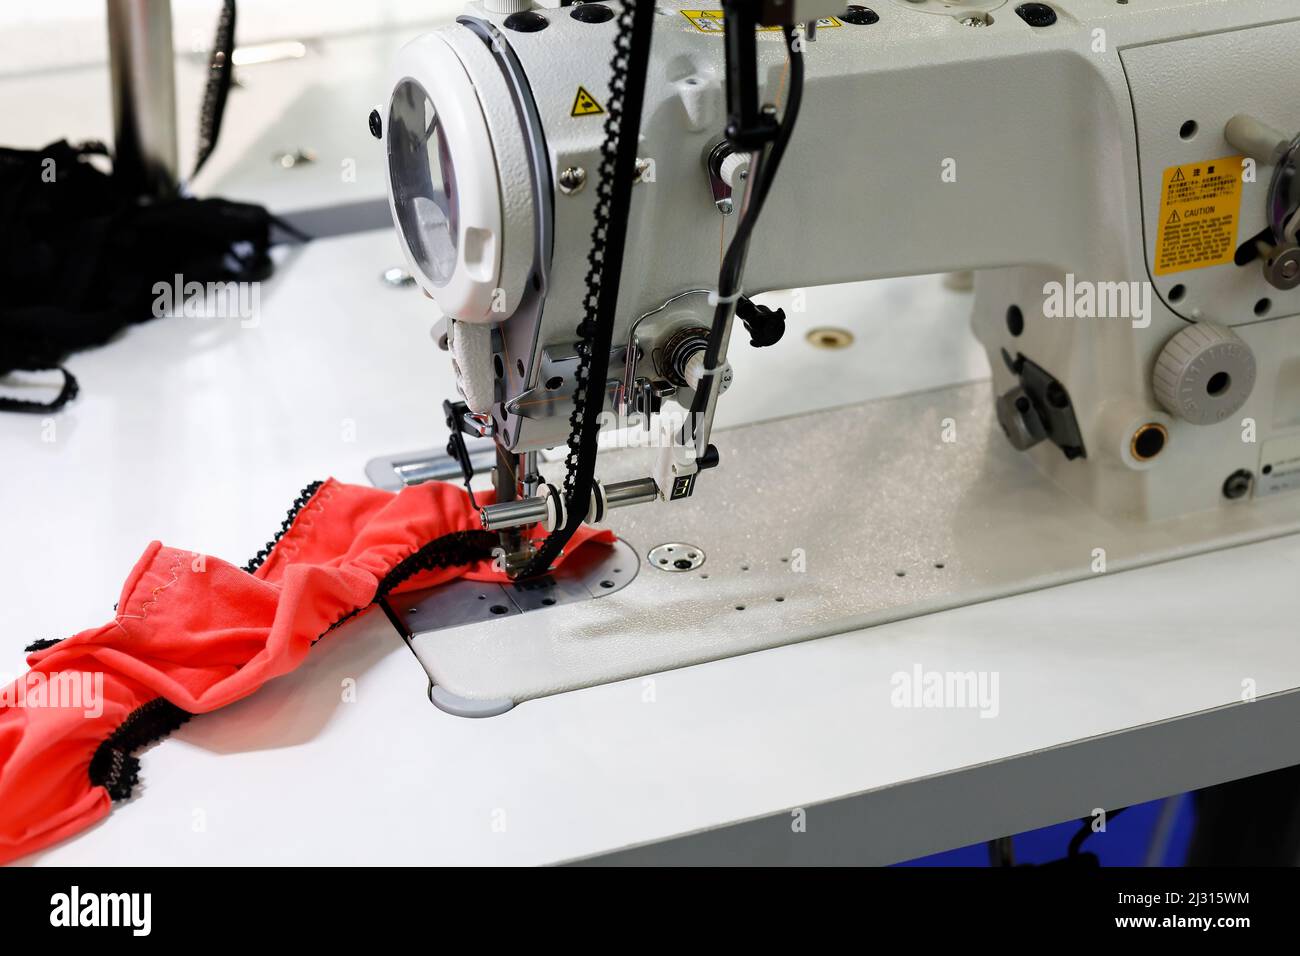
(298, 504)
(41, 644)
(114, 766)
(457, 548)
(451, 550)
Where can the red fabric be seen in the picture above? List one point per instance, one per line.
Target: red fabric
(203, 633)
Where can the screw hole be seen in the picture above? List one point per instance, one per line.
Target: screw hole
(901, 574)
(939, 564)
(1263, 306)
(1219, 383)
(1177, 292)
(548, 601)
(519, 367)
(498, 609)
(554, 382)
(740, 607)
(1148, 441)
(829, 338)
(606, 584)
(1188, 129)
(779, 600)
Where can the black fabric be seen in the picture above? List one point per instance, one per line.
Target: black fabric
(79, 258)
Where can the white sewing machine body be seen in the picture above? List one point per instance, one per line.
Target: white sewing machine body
(1037, 156)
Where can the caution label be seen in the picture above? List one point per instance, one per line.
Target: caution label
(710, 21)
(584, 104)
(1200, 204)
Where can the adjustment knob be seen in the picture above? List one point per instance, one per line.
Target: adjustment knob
(1204, 374)
(507, 6)
(735, 169)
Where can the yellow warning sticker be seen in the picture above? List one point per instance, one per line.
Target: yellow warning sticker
(1200, 204)
(584, 104)
(710, 21)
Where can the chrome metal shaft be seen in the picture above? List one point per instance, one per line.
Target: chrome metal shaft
(144, 96)
(513, 514)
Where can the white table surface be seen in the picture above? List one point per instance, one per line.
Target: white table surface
(200, 433)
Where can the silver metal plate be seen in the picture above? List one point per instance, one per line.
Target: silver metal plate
(821, 524)
(594, 571)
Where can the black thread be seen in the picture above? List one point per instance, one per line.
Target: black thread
(616, 176)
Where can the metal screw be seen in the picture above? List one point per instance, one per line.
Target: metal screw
(572, 179)
(975, 21)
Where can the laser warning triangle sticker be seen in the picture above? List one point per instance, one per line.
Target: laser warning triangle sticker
(584, 104)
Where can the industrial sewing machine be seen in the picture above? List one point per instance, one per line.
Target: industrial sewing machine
(1120, 176)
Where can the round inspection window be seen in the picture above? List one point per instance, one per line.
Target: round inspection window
(423, 181)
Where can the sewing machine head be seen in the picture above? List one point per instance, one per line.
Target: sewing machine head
(1125, 192)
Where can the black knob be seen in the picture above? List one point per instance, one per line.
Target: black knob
(765, 326)
(1036, 14)
(592, 13)
(526, 22)
(860, 16)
